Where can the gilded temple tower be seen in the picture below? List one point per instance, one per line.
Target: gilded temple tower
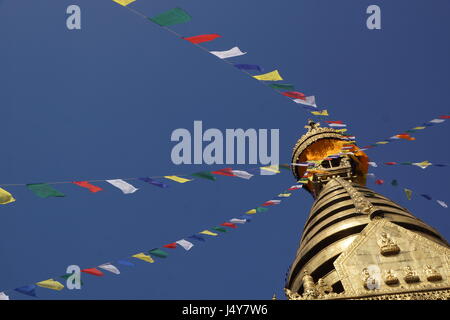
(356, 243)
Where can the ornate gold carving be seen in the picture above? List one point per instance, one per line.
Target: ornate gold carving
(390, 277)
(362, 205)
(309, 286)
(432, 274)
(323, 287)
(410, 275)
(387, 246)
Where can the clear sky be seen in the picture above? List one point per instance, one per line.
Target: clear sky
(101, 103)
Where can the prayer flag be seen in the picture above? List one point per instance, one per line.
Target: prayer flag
(247, 66)
(158, 253)
(423, 164)
(408, 193)
(294, 94)
(171, 17)
(228, 224)
(379, 181)
(126, 263)
(444, 117)
(209, 233)
(185, 244)
(373, 164)
(93, 271)
(295, 187)
(6, 197)
(251, 211)
(261, 209)
(269, 170)
(3, 296)
(124, 186)
(320, 113)
(284, 195)
(144, 257)
(236, 220)
(154, 182)
(442, 203)
(109, 267)
(233, 52)
(390, 163)
(28, 290)
(224, 172)
(437, 121)
(220, 229)
(87, 185)
(197, 237)
(426, 196)
(43, 190)
(405, 136)
(124, 2)
(308, 101)
(204, 175)
(51, 284)
(170, 245)
(177, 179)
(202, 38)
(394, 183)
(271, 203)
(270, 76)
(282, 86)
(242, 174)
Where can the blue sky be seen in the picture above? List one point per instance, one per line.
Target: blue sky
(101, 102)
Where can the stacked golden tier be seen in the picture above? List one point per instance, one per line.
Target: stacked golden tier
(356, 243)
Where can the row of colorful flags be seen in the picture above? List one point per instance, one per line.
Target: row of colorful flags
(423, 164)
(46, 190)
(408, 192)
(406, 134)
(150, 256)
(271, 79)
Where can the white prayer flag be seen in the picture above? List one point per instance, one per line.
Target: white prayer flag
(185, 244)
(242, 174)
(373, 164)
(3, 296)
(233, 52)
(442, 203)
(269, 170)
(437, 121)
(122, 185)
(109, 267)
(308, 101)
(339, 125)
(236, 220)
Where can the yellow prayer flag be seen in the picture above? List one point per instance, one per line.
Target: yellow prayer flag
(271, 76)
(382, 142)
(341, 130)
(418, 128)
(320, 113)
(284, 195)
(252, 211)
(5, 197)
(50, 284)
(177, 179)
(423, 164)
(273, 168)
(208, 233)
(124, 2)
(144, 257)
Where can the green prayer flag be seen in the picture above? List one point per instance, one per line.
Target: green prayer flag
(285, 166)
(406, 163)
(408, 193)
(261, 209)
(204, 175)
(221, 229)
(43, 190)
(282, 86)
(394, 183)
(171, 17)
(158, 253)
(66, 276)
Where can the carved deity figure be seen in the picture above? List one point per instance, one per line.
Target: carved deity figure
(432, 274)
(387, 246)
(410, 275)
(390, 278)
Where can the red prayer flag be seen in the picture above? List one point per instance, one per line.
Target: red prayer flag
(390, 163)
(170, 245)
(379, 181)
(405, 136)
(229, 224)
(224, 172)
(294, 94)
(444, 117)
(87, 185)
(93, 271)
(337, 122)
(202, 38)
